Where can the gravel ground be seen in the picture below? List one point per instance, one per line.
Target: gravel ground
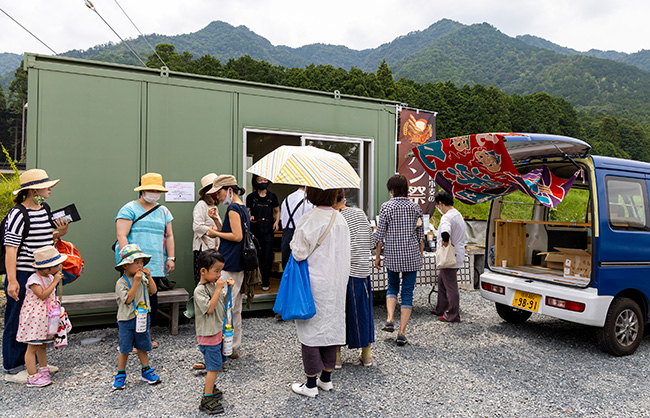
(481, 367)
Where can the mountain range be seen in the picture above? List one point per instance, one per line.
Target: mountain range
(609, 81)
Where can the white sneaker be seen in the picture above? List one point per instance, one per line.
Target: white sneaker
(53, 369)
(20, 377)
(302, 389)
(265, 288)
(326, 386)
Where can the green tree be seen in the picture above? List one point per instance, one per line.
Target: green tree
(386, 82)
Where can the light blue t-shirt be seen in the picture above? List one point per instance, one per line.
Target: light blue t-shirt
(148, 233)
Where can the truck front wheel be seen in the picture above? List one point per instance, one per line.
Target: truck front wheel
(512, 315)
(623, 328)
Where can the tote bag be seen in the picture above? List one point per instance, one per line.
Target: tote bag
(294, 299)
(446, 257)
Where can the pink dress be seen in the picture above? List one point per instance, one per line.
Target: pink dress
(33, 322)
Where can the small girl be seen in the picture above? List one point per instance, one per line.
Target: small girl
(33, 324)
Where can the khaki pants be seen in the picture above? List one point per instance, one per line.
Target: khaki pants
(238, 277)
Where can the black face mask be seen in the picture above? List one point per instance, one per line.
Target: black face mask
(262, 186)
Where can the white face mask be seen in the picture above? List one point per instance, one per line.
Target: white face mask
(228, 200)
(438, 208)
(151, 197)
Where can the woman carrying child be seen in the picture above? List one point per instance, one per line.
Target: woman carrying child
(209, 308)
(40, 298)
(133, 292)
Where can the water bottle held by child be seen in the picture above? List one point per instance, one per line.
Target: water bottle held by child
(53, 318)
(141, 318)
(228, 336)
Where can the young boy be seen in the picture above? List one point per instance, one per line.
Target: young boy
(209, 311)
(132, 290)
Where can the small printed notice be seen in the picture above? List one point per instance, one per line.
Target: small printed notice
(179, 191)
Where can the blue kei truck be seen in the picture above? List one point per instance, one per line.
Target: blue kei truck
(587, 260)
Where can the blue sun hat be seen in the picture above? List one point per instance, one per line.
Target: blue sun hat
(129, 254)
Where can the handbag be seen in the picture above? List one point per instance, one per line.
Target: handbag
(249, 249)
(446, 257)
(294, 299)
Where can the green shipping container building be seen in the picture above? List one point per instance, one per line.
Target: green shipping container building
(98, 127)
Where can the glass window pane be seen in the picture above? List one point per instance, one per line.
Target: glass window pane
(627, 203)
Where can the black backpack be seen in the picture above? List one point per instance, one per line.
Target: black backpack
(3, 227)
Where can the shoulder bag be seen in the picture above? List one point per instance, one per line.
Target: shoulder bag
(249, 248)
(294, 299)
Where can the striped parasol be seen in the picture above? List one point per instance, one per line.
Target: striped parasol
(307, 166)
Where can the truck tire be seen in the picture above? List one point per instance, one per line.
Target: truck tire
(512, 315)
(623, 330)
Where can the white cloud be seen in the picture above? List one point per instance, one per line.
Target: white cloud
(579, 24)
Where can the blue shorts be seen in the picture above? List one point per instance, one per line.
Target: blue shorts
(129, 338)
(212, 357)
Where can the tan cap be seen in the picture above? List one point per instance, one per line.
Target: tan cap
(223, 180)
(206, 183)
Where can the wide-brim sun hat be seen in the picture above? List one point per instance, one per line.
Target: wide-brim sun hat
(222, 180)
(151, 181)
(129, 253)
(35, 179)
(206, 183)
(47, 256)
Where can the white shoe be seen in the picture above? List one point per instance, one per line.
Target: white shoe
(265, 288)
(20, 377)
(302, 389)
(53, 369)
(326, 386)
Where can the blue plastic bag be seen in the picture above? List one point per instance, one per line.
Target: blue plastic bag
(294, 299)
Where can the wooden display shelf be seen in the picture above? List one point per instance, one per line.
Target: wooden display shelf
(549, 223)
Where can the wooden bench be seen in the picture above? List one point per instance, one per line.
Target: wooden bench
(107, 300)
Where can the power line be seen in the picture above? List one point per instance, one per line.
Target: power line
(37, 38)
(92, 7)
(143, 37)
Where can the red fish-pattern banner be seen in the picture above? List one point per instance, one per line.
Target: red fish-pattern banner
(478, 168)
(416, 128)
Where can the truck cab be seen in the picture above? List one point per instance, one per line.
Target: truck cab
(587, 260)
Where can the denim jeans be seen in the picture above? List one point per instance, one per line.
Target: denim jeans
(13, 352)
(408, 284)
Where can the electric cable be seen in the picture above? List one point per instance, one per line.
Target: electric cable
(92, 7)
(27, 30)
(143, 37)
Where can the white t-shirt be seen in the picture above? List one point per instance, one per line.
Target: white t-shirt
(289, 205)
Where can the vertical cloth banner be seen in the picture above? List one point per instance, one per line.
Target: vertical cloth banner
(478, 168)
(416, 128)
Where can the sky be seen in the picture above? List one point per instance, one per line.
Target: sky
(619, 25)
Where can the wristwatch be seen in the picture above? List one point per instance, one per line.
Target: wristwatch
(172, 258)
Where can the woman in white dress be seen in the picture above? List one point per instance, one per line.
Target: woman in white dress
(329, 269)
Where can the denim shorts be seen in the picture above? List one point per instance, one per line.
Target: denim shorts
(129, 338)
(212, 357)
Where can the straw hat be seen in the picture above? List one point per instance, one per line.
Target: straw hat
(129, 253)
(47, 256)
(151, 181)
(35, 179)
(206, 183)
(223, 180)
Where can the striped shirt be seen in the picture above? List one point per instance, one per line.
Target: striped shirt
(40, 235)
(399, 235)
(360, 242)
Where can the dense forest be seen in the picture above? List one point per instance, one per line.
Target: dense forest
(461, 110)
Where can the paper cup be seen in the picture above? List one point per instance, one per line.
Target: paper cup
(504, 263)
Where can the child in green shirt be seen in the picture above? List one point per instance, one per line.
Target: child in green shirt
(132, 291)
(209, 308)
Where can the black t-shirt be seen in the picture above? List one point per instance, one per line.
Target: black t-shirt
(261, 209)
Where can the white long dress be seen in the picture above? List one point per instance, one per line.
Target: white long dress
(329, 269)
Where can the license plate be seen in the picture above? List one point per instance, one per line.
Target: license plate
(527, 301)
